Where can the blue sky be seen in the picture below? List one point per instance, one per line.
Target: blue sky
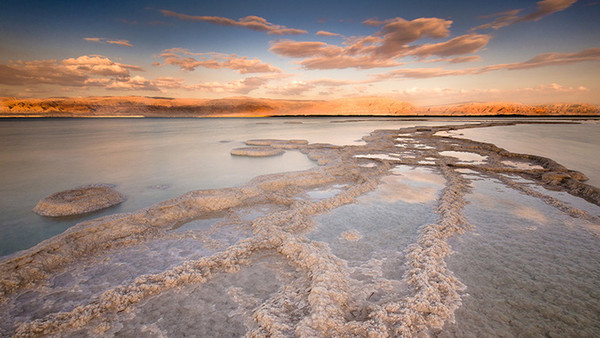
(425, 52)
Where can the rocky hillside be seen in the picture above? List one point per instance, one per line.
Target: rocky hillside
(135, 106)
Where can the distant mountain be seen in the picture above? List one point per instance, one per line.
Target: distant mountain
(136, 106)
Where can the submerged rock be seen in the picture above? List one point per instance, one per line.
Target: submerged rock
(79, 201)
(257, 151)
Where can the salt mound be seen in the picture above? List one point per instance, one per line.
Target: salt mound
(285, 144)
(257, 151)
(79, 201)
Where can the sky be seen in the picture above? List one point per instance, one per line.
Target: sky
(424, 52)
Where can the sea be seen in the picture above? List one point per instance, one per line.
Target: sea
(384, 226)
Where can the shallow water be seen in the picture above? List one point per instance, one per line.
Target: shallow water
(438, 237)
(149, 160)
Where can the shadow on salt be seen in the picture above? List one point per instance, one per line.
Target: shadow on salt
(529, 268)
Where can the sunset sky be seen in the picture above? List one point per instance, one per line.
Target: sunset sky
(425, 52)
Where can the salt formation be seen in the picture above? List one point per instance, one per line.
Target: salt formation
(79, 201)
(266, 223)
(257, 151)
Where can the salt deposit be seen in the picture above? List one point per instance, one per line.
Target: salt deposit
(358, 246)
(256, 151)
(79, 201)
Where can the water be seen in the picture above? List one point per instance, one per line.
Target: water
(149, 160)
(575, 146)
(400, 234)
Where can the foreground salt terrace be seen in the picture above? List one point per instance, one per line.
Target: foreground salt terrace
(361, 245)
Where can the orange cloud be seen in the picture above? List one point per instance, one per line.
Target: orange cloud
(252, 22)
(216, 61)
(134, 83)
(73, 72)
(325, 33)
(397, 33)
(538, 94)
(114, 42)
(461, 59)
(544, 8)
(542, 60)
(465, 44)
(383, 48)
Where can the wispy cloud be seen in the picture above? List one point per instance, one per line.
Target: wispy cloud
(252, 22)
(182, 58)
(544, 8)
(135, 83)
(326, 33)
(242, 86)
(384, 48)
(125, 43)
(544, 93)
(541, 60)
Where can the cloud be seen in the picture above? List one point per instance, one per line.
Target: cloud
(71, 72)
(383, 49)
(125, 43)
(134, 83)
(397, 33)
(544, 8)
(541, 60)
(181, 57)
(242, 86)
(461, 59)
(120, 42)
(252, 22)
(544, 93)
(294, 88)
(551, 59)
(325, 33)
(465, 44)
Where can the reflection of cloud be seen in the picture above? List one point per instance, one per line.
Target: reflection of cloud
(394, 189)
(252, 22)
(544, 8)
(383, 48)
(530, 213)
(175, 56)
(114, 42)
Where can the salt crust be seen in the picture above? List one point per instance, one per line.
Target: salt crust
(79, 200)
(331, 303)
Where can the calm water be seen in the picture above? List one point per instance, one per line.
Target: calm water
(150, 160)
(574, 146)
